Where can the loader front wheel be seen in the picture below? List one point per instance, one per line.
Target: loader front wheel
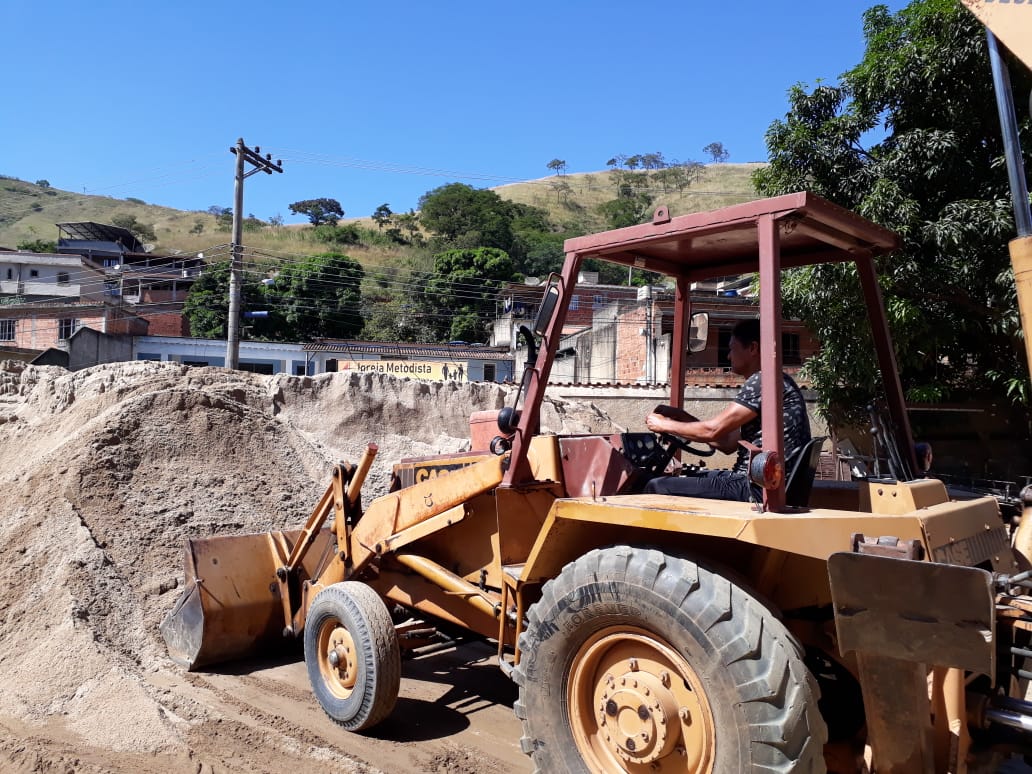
(352, 655)
(637, 661)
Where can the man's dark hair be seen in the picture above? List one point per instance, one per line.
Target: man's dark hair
(747, 331)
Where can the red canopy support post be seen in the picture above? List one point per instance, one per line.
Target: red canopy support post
(679, 341)
(771, 380)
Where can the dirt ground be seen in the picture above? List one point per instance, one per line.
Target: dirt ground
(105, 472)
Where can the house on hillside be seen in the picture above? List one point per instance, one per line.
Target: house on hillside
(155, 284)
(46, 297)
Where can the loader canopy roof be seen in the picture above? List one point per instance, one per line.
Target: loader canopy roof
(726, 241)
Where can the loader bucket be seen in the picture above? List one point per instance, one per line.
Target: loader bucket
(230, 607)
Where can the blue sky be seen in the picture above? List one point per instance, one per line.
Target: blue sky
(372, 103)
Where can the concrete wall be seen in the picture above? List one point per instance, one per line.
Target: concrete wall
(89, 347)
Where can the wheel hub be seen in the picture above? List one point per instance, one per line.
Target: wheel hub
(637, 715)
(340, 655)
(634, 702)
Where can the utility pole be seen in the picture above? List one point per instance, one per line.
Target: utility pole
(266, 165)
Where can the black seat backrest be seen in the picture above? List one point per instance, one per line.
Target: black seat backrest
(800, 477)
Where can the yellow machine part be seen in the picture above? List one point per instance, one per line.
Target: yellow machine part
(1010, 22)
(231, 606)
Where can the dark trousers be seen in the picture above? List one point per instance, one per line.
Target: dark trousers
(713, 484)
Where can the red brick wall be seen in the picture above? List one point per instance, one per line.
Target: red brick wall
(40, 330)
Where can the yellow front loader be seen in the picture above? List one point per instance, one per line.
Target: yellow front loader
(867, 625)
(804, 631)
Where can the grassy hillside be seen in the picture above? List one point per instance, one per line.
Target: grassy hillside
(29, 212)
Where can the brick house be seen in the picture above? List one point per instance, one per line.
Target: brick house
(621, 334)
(46, 297)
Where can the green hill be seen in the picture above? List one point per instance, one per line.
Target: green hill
(29, 212)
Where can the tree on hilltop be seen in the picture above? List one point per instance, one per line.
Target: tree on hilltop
(319, 211)
(717, 152)
(557, 165)
(382, 216)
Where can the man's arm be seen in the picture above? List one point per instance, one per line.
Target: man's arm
(721, 431)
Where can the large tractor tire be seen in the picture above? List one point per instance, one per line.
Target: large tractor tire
(352, 655)
(637, 661)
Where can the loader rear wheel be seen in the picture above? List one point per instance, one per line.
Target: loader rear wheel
(638, 661)
(352, 655)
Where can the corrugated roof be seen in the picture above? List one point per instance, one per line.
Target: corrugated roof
(101, 232)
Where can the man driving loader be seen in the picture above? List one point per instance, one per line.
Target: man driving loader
(740, 421)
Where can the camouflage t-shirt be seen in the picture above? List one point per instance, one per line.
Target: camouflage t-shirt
(797, 425)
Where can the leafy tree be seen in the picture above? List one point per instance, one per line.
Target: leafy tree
(717, 152)
(461, 216)
(348, 234)
(678, 176)
(562, 190)
(652, 160)
(218, 211)
(206, 308)
(43, 183)
(276, 220)
(910, 139)
(627, 210)
(143, 231)
(460, 294)
(382, 215)
(318, 211)
(409, 222)
(557, 165)
(38, 246)
(395, 307)
(198, 227)
(318, 297)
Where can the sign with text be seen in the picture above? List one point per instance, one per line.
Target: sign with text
(427, 370)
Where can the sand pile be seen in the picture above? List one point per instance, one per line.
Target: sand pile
(105, 472)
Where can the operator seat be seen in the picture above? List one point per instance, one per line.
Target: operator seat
(804, 469)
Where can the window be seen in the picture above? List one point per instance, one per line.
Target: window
(258, 368)
(33, 272)
(10, 274)
(66, 327)
(790, 349)
(62, 278)
(300, 369)
(331, 366)
(7, 329)
(489, 372)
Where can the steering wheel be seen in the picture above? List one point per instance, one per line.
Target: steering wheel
(673, 443)
(655, 464)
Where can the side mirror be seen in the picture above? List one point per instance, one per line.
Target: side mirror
(698, 332)
(547, 309)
